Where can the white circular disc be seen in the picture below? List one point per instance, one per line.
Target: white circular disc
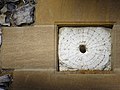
(84, 48)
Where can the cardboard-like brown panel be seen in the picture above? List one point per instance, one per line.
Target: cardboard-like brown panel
(115, 47)
(28, 47)
(47, 80)
(51, 11)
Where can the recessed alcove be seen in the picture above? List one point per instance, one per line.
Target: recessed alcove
(84, 47)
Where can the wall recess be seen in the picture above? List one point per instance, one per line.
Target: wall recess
(84, 48)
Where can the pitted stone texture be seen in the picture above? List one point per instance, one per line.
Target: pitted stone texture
(0, 40)
(24, 15)
(11, 7)
(97, 45)
(29, 1)
(7, 1)
(0, 36)
(2, 4)
(4, 9)
(3, 20)
(5, 81)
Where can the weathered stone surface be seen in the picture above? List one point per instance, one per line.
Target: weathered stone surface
(0, 36)
(1, 4)
(4, 9)
(6, 13)
(29, 1)
(11, 7)
(3, 20)
(86, 48)
(7, 18)
(7, 1)
(5, 82)
(24, 15)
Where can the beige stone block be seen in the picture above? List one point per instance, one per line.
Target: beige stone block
(28, 47)
(51, 11)
(115, 46)
(48, 80)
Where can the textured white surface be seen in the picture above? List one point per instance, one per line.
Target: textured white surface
(97, 41)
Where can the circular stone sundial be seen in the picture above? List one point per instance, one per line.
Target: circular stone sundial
(84, 48)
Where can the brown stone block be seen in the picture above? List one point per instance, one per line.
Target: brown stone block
(48, 80)
(29, 47)
(51, 11)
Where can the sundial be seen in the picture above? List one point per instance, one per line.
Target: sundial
(84, 48)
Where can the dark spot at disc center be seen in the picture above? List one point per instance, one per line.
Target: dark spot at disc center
(82, 48)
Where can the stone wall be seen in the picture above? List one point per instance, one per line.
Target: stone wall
(34, 47)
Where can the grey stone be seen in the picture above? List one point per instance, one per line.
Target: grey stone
(2, 4)
(0, 36)
(29, 1)
(8, 1)
(5, 78)
(4, 9)
(11, 7)
(8, 17)
(5, 82)
(3, 20)
(24, 15)
(9, 12)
